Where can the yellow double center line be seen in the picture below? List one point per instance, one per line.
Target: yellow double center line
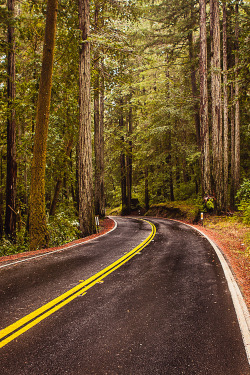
(16, 329)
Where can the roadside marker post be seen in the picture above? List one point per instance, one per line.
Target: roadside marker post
(97, 223)
(202, 216)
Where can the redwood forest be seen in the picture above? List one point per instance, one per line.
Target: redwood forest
(121, 107)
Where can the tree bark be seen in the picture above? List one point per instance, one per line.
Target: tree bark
(102, 193)
(1, 196)
(237, 103)
(39, 236)
(129, 161)
(225, 106)
(204, 126)
(97, 134)
(146, 189)
(98, 126)
(86, 199)
(194, 85)
(217, 145)
(10, 216)
(232, 183)
(123, 163)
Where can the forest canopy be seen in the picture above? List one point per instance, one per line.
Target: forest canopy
(148, 103)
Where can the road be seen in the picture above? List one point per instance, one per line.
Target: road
(167, 310)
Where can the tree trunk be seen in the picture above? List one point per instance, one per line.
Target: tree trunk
(98, 127)
(204, 127)
(123, 164)
(225, 106)
(102, 193)
(39, 236)
(129, 161)
(1, 196)
(217, 145)
(97, 134)
(10, 215)
(237, 103)
(232, 184)
(146, 189)
(86, 199)
(194, 87)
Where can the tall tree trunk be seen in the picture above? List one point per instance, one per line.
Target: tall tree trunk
(123, 163)
(146, 189)
(39, 236)
(102, 193)
(232, 183)
(99, 127)
(194, 85)
(129, 160)
(225, 106)
(216, 104)
(237, 103)
(96, 87)
(204, 127)
(1, 196)
(10, 215)
(86, 199)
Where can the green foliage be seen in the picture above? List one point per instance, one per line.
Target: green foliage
(63, 229)
(209, 205)
(243, 198)
(9, 248)
(243, 193)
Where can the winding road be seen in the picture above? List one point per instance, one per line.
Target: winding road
(148, 298)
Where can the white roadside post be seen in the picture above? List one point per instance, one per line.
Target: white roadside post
(202, 217)
(97, 223)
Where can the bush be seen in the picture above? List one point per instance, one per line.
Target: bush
(243, 198)
(63, 229)
(9, 248)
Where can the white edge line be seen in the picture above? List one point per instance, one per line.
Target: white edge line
(64, 248)
(238, 301)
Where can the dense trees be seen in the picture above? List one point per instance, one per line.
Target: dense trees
(148, 103)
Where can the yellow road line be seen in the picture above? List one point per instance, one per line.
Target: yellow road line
(22, 325)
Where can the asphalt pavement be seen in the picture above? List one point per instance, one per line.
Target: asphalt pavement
(166, 309)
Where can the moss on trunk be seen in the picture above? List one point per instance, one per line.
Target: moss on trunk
(39, 236)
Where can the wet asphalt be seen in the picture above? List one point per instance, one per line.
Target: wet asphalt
(168, 310)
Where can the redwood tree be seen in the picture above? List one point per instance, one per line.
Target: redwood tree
(225, 106)
(39, 236)
(217, 145)
(10, 216)
(86, 198)
(237, 104)
(204, 128)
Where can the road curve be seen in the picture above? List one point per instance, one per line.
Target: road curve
(167, 310)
